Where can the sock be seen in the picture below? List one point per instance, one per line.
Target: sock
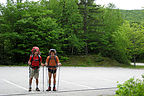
(49, 85)
(54, 85)
(29, 86)
(36, 86)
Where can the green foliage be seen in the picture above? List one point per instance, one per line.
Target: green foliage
(90, 60)
(68, 17)
(63, 58)
(129, 40)
(131, 87)
(112, 21)
(136, 38)
(122, 43)
(35, 27)
(70, 26)
(136, 16)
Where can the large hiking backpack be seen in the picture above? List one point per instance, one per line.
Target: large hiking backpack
(35, 67)
(35, 48)
(54, 58)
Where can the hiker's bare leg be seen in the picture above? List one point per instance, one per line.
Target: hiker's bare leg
(30, 82)
(49, 78)
(37, 82)
(54, 78)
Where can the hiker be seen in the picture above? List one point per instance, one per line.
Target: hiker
(34, 62)
(52, 62)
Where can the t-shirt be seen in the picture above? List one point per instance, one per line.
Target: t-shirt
(35, 61)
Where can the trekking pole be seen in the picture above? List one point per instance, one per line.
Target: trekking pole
(47, 75)
(29, 77)
(43, 78)
(58, 78)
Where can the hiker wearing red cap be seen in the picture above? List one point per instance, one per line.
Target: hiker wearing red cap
(34, 62)
(52, 62)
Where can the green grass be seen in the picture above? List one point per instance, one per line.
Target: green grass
(90, 61)
(14, 65)
(134, 67)
(95, 61)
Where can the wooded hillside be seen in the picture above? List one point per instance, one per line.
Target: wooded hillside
(69, 26)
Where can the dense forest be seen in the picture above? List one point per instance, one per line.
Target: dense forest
(72, 27)
(132, 16)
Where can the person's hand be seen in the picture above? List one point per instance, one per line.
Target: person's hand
(46, 64)
(29, 62)
(42, 64)
(59, 64)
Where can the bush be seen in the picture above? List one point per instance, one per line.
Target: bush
(63, 58)
(131, 87)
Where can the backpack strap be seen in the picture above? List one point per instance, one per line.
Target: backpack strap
(39, 61)
(49, 60)
(56, 61)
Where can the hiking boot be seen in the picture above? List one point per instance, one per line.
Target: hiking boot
(37, 89)
(54, 89)
(30, 89)
(49, 89)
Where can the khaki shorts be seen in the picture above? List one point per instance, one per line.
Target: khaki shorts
(33, 73)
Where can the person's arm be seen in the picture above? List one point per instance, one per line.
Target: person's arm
(47, 60)
(41, 61)
(59, 64)
(29, 62)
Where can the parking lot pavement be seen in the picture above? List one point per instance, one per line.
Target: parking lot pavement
(74, 81)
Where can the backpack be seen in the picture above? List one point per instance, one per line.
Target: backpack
(37, 48)
(55, 61)
(35, 67)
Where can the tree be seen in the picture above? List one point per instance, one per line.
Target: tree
(129, 44)
(137, 41)
(91, 23)
(68, 17)
(112, 20)
(28, 24)
(122, 43)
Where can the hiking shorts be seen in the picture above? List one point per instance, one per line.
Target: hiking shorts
(33, 73)
(52, 70)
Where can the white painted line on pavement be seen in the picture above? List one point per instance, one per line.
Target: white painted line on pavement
(14, 84)
(77, 84)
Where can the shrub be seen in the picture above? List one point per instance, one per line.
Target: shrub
(131, 87)
(63, 58)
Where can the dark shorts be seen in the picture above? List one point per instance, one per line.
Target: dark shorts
(52, 70)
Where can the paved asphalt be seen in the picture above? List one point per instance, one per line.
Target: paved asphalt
(74, 81)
